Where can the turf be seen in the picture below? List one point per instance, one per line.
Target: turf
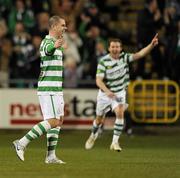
(143, 156)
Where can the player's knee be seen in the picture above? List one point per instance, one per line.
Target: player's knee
(56, 122)
(99, 120)
(60, 121)
(119, 113)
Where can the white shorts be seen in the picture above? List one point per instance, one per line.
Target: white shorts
(105, 104)
(52, 106)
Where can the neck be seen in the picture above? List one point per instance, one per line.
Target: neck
(150, 9)
(53, 34)
(114, 56)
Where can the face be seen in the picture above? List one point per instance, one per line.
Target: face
(60, 28)
(172, 10)
(19, 4)
(19, 28)
(115, 48)
(154, 5)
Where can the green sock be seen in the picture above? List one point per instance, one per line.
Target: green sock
(38, 130)
(52, 140)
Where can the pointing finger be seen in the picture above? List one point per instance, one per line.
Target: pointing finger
(156, 35)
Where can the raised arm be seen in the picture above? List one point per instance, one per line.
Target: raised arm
(143, 52)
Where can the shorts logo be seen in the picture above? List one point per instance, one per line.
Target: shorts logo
(119, 99)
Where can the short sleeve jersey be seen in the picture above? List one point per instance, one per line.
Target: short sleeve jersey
(115, 72)
(51, 77)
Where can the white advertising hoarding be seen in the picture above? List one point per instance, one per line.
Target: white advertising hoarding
(19, 108)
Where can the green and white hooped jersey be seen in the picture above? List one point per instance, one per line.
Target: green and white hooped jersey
(115, 72)
(51, 77)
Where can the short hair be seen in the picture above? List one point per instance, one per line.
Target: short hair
(114, 40)
(54, 20)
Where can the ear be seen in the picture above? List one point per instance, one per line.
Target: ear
(109, 49)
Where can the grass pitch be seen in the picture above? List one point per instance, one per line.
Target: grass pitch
(143, 156)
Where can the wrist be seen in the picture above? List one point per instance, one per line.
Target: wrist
(151, 45)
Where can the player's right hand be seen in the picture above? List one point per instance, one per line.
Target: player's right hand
(110, 94)
(155, 40)
(59, 42)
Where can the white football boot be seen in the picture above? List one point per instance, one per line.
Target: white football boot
(19, 149)
(90, 141)
(54, 160)
(115, 147)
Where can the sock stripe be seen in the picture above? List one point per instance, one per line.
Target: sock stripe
(36, 127)
(42, 128)
(52, 135)
(51, 147)
(119, 125)
(117, 133)
(35, 132)
(51, 139)
(29, 137)
(53, 143)
(119, 130)
(53, 132)
(95, 127)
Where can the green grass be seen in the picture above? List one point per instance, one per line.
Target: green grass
(143, 156)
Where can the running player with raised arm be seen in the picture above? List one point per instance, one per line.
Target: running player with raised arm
(50, 92)
(112, 79)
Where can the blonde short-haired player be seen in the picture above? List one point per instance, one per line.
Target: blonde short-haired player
(50, 92)
(112, 78)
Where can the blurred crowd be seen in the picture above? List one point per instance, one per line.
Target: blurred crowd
(24, 23)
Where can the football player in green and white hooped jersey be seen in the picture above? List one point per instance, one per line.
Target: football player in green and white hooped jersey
(50, 92)
(112, 78)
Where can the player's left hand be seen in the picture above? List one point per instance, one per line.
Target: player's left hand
(155, 40)
(64, 45)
